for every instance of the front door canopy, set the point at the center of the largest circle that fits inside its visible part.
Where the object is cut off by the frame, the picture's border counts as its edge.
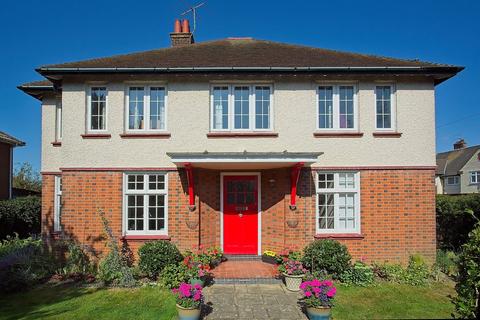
(243, 160)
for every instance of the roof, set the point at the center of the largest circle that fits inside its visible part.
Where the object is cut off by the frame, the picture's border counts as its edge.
(6, 138)
(37, 88)
(450, 163)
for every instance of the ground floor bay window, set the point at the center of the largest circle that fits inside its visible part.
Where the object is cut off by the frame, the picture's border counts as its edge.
(338, 202)
(145, 204)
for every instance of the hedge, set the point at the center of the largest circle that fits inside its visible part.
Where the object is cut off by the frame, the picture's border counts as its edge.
(455, 220)
(21, 216)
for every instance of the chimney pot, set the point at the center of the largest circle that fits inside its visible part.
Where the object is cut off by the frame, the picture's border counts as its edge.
(460, 144)
(185, 26)
(177, 27)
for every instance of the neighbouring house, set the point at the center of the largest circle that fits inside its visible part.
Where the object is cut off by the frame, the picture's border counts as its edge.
(458, 171)
(7, 143)
(245, 144)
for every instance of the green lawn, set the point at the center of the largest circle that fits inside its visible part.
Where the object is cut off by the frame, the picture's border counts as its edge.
(66, 302)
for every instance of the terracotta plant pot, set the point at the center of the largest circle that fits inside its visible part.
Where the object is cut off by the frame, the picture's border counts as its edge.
(188, 314)
(293, 282)
(320, 313)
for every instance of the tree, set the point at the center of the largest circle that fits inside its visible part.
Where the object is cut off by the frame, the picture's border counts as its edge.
(25, 177)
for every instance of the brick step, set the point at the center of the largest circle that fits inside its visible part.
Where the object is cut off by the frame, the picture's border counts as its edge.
(248, 281)
(243, 257)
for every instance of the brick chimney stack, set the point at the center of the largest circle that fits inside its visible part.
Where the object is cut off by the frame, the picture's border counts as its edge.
(460, 144)
(181, 35)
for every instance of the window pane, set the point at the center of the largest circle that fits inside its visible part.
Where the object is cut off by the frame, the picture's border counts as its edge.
(346, 107)
(98, 100)
(325, 107)
(326, 210)
(156, 212)
(346, 180)
(220, 107)
(135, 108)
(262, 107)
(156, 182)
(135, 212)
(383, 107)
(157, 108)
(135, 181)
(241, 107)
(325, 180)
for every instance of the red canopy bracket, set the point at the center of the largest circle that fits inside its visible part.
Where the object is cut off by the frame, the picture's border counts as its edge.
(191, 191)
(294, 175)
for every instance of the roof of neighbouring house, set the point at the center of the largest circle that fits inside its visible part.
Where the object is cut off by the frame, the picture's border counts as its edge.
(451, 162)
(6, 138)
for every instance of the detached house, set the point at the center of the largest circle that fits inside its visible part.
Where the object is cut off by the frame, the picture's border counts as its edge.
(7, 144)
(246, 144)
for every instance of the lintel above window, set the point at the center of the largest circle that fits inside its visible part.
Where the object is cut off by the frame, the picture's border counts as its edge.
(241, 108)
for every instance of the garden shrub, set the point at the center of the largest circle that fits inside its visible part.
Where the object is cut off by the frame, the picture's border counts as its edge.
(455, 219)
(360, 274)
(20, 216)
(446, 262)
(417, 273)
(77, 260)
(113, 268)
(467, 302)
(174, 274)
(329, 256)
(155, 256)
(23, 263)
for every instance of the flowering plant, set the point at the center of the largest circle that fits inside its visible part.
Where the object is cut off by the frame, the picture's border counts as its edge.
(188, 296)
(215, 253)
(269, 253)
(318, 293)
(292, 267)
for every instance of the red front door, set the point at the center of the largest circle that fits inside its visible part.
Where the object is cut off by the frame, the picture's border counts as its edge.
(240, 214)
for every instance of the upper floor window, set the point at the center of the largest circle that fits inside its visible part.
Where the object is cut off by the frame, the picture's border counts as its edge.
(453, 180)
(97, 109)
(58, 122)
(146, 203)
(337, 107)
(241, 107)
(475, 177)
(146, 108)
(338, 202)
(384, 108)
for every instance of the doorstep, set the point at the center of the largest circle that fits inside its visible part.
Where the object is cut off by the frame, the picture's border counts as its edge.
(246, 272)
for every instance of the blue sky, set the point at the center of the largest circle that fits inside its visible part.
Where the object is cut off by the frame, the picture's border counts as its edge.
(34, 33)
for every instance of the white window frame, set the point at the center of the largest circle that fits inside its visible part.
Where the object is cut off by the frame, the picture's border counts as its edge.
(58, 121)
(474, 175)
(57, 204)
(146, 107)
(231, 107)
(456, 180)
(393, 107)
(145, 193)
(336, 191)
(336, 106)
(89, 109)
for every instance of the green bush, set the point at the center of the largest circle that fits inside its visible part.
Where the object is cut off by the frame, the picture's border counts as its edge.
(21, 216)
(467, 302)
(155, 256)
(329, 256)
(113, 268)
(417, 273)
(174, 274)
(455, 219)
(446, 262)
(359, 274)
(77, 260)
(23, 263)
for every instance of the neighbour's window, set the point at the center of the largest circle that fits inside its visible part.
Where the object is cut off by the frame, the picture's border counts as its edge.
(337, 107)
(146, 203)
(241, 107)
(98, 109)
(58, 122)
(475, 177)
(338, 202)
(384, 107)
(146, 108)
(453, 180)
(57, 211)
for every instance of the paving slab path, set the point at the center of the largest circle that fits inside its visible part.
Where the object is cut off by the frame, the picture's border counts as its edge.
(251, 301)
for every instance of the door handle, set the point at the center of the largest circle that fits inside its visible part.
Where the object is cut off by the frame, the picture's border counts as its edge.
(240, 214)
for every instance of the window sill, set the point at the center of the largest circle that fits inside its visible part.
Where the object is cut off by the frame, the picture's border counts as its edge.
(57, 143)
(242, 135)
(146, 237)
(340, 236)
(163, 135)
(380, 134)
(96, 136)
(326, 134)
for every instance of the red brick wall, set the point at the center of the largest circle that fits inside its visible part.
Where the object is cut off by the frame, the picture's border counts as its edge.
(397, 211)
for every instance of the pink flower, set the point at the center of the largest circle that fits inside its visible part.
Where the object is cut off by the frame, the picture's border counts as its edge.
(197, 286)
(327, 283)
(308, 294)
(316, 290)
(303, 285)
(331, 292)
(316, 282)
(197, 296)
